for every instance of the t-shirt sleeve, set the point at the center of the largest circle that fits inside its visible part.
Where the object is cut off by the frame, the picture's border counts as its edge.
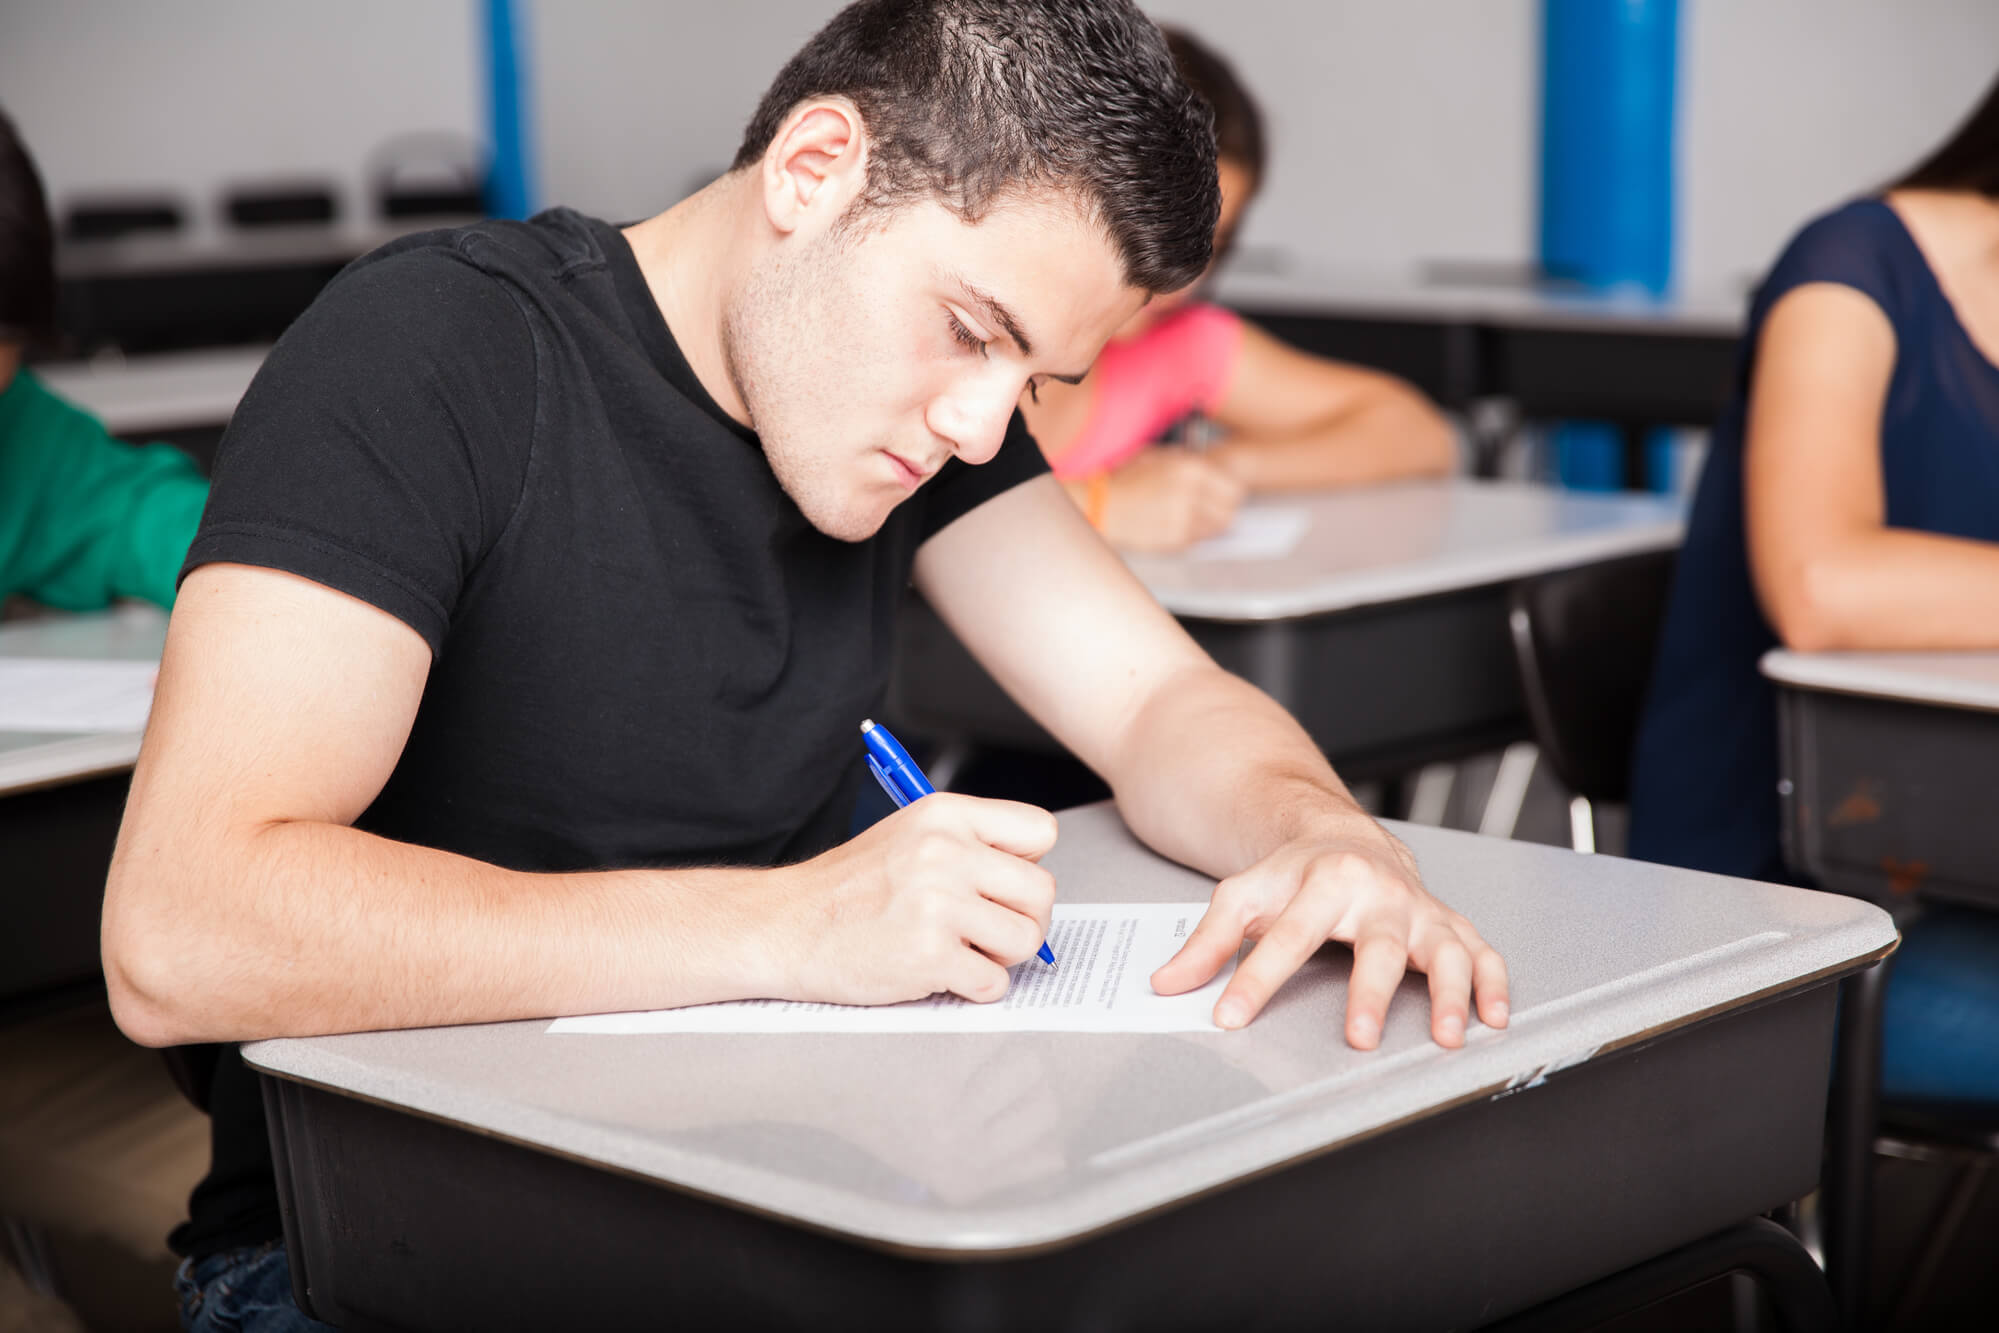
(1211, 345)
(960, 487)
(383, 445)
(1854, 246)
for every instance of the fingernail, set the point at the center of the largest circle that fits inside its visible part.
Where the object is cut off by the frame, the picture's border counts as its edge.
(1364, 1031)
(1231, 1014)
(1452, 1030)
(1499, 1013)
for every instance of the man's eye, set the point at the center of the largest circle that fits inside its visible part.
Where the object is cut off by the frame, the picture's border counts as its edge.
(965, 335)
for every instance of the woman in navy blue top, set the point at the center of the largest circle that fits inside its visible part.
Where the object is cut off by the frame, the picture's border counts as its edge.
(1850, 501)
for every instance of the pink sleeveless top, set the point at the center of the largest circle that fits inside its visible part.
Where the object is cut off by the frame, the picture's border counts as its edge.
(1140, 387)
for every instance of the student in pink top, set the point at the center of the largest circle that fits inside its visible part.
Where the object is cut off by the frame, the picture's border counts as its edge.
(1289, 419)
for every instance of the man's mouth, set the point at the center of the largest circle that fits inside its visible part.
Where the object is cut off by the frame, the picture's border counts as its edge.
(908, 473)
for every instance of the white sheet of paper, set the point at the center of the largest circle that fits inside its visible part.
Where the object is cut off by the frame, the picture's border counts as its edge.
(1105, 954)
(59, 694)
(1260, 532)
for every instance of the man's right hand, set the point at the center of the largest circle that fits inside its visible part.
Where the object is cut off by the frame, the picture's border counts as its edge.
(943, 895)
(1168, 498)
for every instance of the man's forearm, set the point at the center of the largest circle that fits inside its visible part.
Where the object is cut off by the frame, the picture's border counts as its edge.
(300, 928)
(1215, 775)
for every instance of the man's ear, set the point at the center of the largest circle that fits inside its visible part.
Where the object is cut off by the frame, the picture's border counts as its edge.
(816, 164)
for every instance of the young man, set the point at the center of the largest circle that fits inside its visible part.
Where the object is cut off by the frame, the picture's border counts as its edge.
(551, 568)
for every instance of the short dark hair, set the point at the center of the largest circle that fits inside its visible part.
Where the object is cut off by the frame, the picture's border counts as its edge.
(967, 101)
(27, 242)
(1238, 120)
(1968, 160)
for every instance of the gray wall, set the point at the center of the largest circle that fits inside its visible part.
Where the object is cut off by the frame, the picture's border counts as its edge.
(1405, 129)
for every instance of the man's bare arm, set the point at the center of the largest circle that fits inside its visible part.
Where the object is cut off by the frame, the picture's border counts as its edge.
(1206, 769)
(241, 903)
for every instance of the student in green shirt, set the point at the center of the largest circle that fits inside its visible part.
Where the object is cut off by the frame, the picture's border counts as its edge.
(84, 518)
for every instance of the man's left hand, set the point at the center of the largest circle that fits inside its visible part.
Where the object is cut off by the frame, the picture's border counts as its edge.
(1361, 889)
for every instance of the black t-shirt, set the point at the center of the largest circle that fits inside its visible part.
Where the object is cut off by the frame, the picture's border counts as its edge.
(643, 654)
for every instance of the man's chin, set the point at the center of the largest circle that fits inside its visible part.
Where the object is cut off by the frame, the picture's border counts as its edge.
(854, 522)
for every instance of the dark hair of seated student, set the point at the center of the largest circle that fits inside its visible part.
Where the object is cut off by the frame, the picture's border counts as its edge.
(27, 243)
(1968, 160)
(1239, 135)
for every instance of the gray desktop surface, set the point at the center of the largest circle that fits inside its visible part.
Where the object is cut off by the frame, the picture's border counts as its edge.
(1371, 545)
(985, 1146)
(38, 759)
(1950, 680)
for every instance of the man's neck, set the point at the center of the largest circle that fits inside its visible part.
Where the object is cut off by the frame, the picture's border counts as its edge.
(688, 255)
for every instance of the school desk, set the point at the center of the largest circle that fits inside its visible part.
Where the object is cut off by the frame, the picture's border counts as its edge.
(1663, 1078)
(1384, 631)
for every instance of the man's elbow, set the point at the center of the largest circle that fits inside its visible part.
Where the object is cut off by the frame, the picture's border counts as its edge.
(146, 970)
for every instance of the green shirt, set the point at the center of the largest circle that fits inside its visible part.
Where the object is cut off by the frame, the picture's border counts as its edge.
(84, 518)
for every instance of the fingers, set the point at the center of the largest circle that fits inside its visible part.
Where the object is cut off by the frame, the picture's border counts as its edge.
(1214, 941)
(1011, 826)
(1489, 980)
(1380, 957)
(1005, 936)
(1448, 964)
(975, 977)
(1295, 936)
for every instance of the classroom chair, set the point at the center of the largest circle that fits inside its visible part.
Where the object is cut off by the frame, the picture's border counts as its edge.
(281, 203)
(108, 219)
(1864, 1122)
(1583, 640)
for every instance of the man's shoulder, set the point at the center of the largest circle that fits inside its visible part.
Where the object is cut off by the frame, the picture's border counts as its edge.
(548, 247)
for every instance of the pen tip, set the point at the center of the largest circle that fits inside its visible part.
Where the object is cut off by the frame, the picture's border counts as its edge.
(867, 724)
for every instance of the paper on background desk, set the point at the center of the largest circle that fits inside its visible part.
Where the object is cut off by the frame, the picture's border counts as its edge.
(1259, 532)
(1105, 954)
(56, 694)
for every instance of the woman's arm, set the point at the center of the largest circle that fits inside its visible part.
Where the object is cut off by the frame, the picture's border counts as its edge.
(1297, 420)
(1828, 571)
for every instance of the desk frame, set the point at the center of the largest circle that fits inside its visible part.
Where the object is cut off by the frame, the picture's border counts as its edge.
(395, 1220)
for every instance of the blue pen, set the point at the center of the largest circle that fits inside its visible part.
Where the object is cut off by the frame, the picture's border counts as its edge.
(904, 782)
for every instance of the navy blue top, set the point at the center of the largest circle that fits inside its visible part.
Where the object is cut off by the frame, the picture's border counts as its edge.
(1704, 783)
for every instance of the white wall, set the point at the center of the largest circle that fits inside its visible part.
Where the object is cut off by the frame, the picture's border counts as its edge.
(191, 96)
(1404, 129)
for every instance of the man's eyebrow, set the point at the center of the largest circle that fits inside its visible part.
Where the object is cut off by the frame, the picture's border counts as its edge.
(995, 310)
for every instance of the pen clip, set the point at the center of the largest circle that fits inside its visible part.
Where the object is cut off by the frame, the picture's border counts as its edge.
(887, 783)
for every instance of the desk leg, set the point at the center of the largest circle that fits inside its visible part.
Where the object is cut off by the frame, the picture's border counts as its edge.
(1855, 1111)
(1760, 1249)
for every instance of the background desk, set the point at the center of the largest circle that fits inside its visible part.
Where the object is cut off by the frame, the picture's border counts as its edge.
(61, 797)
(148, 293)
(1889, 765)
(183, 397)
(1536, 352)
(1663, 1077)
(1384, 632)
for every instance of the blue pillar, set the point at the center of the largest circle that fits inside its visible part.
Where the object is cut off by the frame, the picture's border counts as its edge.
(510, 187)
(1607, 111)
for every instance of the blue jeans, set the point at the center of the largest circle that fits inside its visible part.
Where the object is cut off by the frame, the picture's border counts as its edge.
(247, 1290)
